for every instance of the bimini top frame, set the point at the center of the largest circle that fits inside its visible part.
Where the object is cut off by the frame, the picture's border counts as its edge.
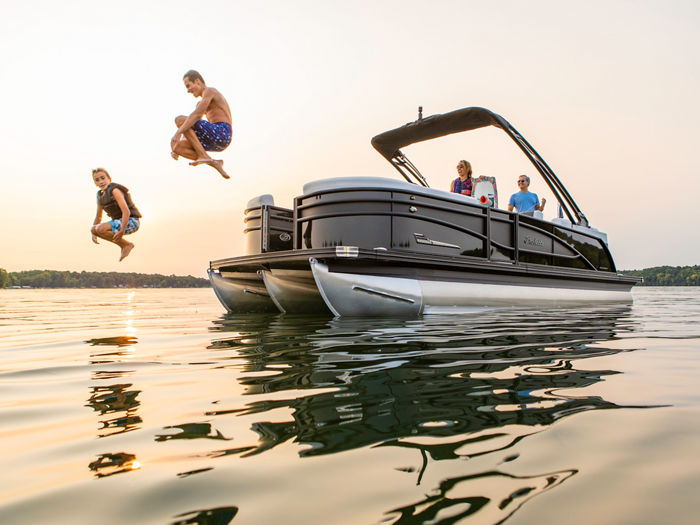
(435, 126)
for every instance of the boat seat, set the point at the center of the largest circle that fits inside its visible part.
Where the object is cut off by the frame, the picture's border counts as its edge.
(360, 183)
(588, 230)
(561, 221)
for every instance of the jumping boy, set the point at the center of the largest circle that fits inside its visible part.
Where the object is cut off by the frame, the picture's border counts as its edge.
(195, 136)
(115, 200)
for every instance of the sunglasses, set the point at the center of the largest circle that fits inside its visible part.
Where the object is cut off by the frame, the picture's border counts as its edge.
(522, 181)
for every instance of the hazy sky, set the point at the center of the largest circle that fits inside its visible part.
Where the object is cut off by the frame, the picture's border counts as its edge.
(606, 91)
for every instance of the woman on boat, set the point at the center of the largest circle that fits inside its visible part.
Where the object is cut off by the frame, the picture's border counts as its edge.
(463, 183)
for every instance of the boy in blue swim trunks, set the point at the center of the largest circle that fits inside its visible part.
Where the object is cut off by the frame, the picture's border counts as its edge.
(195, 136)
(115, 200)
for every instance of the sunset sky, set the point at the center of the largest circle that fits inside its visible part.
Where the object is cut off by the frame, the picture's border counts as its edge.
(606, 91)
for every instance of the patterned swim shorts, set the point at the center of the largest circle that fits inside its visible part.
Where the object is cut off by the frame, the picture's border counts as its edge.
(131, 226)
(214, 136)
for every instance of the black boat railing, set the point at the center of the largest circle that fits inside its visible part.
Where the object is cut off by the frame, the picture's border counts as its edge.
(319, 223)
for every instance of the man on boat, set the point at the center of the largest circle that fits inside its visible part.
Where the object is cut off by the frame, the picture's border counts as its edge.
(525, 201)
(195, 136)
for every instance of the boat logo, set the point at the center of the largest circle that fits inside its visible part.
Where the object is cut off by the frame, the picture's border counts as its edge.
(532, 241)
(284, 237)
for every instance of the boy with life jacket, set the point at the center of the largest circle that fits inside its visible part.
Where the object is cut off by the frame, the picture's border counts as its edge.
(116, 201)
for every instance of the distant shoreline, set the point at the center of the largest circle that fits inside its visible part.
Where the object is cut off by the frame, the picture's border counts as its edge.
(667, 275)
(64, 279)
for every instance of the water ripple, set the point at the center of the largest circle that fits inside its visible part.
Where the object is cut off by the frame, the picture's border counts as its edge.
(156, 399)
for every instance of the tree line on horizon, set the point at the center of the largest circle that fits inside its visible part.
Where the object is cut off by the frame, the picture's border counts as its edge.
(65, 279)
(667, 275)
(656, 276)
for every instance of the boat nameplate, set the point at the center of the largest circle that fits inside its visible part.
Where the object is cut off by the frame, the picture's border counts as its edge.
(532, 241)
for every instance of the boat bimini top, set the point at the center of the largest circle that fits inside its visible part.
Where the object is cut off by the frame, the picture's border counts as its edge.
(435, 126)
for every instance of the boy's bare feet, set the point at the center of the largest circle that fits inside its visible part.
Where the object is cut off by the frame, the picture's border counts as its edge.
(126, 249)
(218, 165)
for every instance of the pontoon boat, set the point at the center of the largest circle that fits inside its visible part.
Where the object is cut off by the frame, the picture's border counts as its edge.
(370, 246)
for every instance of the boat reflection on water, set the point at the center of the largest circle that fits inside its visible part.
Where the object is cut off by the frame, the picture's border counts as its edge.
(493, 495)
(387, 380)
(451, 387)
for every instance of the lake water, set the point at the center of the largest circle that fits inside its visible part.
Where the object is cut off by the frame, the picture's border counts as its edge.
(152, 406)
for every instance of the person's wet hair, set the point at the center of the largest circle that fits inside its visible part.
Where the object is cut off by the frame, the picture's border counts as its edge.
(193, 75)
